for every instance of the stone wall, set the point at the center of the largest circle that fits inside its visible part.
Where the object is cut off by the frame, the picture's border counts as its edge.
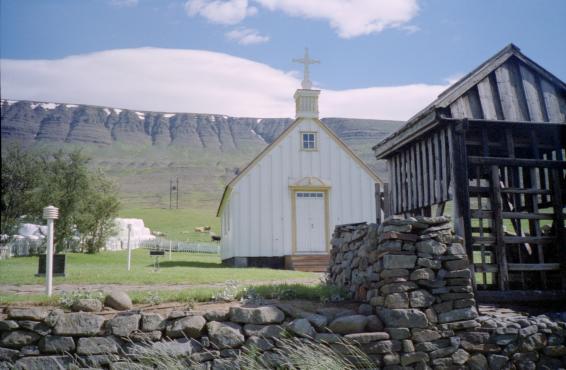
(415, 274)
(419, 313)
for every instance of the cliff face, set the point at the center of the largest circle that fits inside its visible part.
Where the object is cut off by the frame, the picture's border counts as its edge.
(139, 148)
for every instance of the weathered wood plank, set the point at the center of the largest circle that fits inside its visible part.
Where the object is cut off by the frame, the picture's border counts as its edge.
(417, 181)
(424, 174)
(387, 200)
(418, 162)
(461, 108)
(413, 177)
(551, 102)
(475, 104)
(534, 100)
(557, 204)
(437, 169)
(444, 163)
(487, 99)
(430, 171)
(508, 94)
(500, 253)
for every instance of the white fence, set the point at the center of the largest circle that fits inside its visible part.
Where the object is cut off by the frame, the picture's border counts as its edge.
(177, 246)
(26, 247)
(22, 247)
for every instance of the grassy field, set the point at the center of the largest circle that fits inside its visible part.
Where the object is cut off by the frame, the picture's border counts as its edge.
(177, 224)
(110, 268)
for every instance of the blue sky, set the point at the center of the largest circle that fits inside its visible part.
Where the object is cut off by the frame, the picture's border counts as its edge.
(364, 46)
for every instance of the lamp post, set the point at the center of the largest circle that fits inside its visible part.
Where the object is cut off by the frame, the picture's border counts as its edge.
(129, 247)
(50, 213)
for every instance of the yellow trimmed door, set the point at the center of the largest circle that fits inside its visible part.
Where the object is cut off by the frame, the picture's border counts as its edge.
(310, 222)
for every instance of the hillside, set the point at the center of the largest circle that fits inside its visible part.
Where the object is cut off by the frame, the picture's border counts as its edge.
(142, 150)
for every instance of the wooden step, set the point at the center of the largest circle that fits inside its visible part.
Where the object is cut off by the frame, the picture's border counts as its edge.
(309, 263)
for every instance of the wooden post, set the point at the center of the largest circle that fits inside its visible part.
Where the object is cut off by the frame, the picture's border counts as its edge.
(559, 223)
(459, 168)
(497, 208)
(378, 205)
(386, 201)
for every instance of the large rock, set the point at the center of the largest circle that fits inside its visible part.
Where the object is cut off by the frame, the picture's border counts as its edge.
(259, 315)
(118, 300)
(225, 334)
(421, 298)
(44, 363)
(217, 315)
(190, 326)
(18, 338)
(56, 344)
(78, 324)
(348, 324)
(177, 348)
(7, 325)
(262, 344)
(152, 322)
(403, 318)
(302, 328)
(123, 325)
(431, 246)
(9, 355)
(459, 314)
(87, 305)
(33, 313)
(399, 261)
(264, 331)
(96, 345)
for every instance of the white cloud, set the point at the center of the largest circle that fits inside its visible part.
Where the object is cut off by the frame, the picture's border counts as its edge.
(220, 11)
(350, 18)
(172, 80)
(124, 3)
(247, 36)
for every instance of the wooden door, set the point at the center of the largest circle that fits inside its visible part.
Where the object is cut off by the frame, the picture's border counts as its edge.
(310, 222)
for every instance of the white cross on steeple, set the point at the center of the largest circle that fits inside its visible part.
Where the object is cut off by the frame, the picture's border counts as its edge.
(306, 61)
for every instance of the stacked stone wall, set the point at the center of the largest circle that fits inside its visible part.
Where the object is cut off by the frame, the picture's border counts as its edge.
(415, 274)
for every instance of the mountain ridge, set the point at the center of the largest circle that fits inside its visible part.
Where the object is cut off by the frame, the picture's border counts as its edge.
(143, 147)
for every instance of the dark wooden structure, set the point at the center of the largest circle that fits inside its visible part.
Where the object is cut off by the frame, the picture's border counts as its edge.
(492, 150)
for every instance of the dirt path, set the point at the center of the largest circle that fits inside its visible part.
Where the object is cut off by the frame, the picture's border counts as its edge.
(60, 288)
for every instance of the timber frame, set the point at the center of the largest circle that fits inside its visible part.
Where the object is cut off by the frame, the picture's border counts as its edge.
(492, 149)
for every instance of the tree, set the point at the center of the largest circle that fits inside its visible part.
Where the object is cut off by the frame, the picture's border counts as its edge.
(87, 201)
(96, 221)
(21, 175)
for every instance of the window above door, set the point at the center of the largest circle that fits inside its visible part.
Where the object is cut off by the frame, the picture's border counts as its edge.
(309, 141)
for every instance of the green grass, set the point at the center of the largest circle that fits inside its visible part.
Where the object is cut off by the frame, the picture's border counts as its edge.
(177, 224)
(110, 268)
(317, 293)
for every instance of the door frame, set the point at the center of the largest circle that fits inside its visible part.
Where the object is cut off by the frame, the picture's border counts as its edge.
(294, 189)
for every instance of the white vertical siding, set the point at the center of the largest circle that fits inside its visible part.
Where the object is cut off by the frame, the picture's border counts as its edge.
(260, 202)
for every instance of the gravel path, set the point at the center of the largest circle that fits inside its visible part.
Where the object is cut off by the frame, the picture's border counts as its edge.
(31, 289)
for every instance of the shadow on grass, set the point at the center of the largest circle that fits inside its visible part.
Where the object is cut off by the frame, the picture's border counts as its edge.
(165, 264)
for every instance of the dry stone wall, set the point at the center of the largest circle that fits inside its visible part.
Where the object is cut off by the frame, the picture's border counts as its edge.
(415, 275)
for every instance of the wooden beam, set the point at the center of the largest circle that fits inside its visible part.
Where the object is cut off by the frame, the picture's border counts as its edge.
(533, 266)
(516, 162)
(514, 296)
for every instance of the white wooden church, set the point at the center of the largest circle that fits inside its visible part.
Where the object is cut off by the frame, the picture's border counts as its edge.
(281, 209)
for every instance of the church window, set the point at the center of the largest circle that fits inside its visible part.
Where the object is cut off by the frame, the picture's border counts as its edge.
(308, 141)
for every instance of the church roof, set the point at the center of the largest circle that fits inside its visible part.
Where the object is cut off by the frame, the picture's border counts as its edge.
(424, 119)
(287, 131)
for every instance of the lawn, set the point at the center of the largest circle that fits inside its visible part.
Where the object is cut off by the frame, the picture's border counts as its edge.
(110, 268)
(176, 224)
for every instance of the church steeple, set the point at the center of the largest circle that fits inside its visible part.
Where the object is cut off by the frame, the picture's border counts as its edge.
(306, 99)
